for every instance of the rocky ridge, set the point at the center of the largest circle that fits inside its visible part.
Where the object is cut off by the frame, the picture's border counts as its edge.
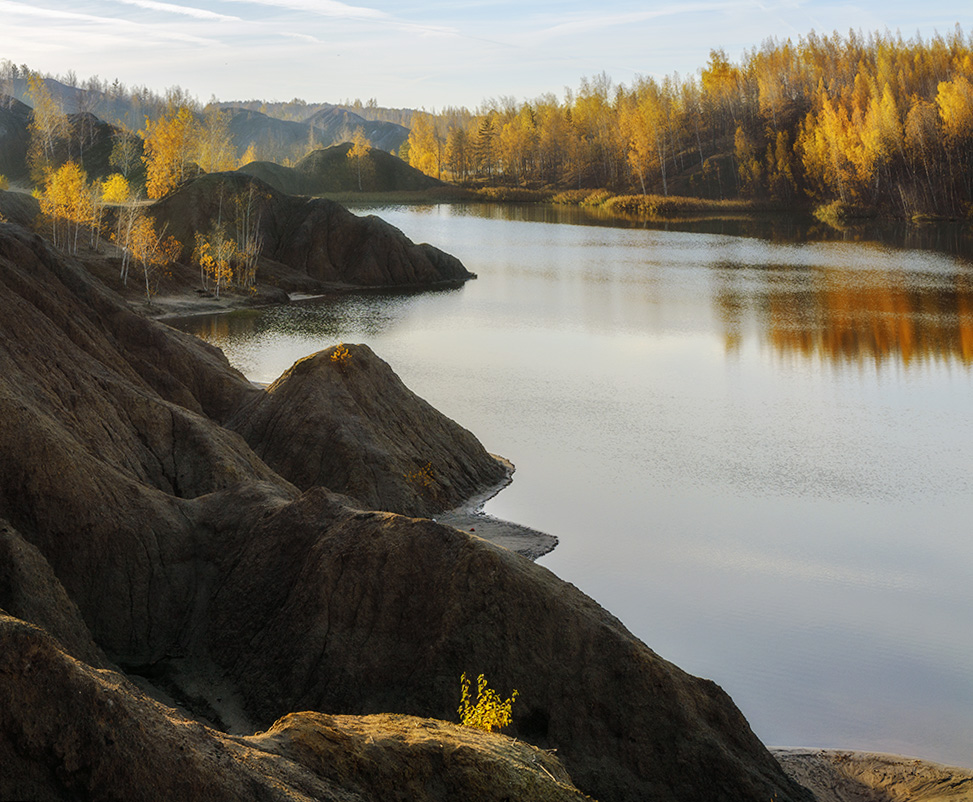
(330, 170)
(308, 244)
(144, 535)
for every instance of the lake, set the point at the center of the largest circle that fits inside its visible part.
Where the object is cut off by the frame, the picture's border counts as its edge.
(756, 451)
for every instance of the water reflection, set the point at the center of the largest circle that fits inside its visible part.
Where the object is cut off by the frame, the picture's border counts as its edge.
(955, 239)
(326, 317)
(798, 534)
(849, 316)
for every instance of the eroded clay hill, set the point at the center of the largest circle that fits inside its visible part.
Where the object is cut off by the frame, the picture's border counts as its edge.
(330, 170)
(148, 549)
(306, 242)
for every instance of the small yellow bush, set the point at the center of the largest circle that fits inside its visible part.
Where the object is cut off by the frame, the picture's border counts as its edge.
(490, 712)
(340, 355)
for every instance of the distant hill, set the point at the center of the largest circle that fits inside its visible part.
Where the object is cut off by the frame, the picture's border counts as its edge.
(88, 141)
(110, 102)
(278, 140)
(330, 170)
(14, 139)
(338, 125)
(273, 139)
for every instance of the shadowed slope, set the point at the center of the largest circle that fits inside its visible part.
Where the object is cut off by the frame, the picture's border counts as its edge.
(315, 237)
(192, 562)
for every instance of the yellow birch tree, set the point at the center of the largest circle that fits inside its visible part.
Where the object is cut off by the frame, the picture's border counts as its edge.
(168, 145)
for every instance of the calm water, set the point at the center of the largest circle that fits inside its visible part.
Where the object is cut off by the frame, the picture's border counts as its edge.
(755, 453)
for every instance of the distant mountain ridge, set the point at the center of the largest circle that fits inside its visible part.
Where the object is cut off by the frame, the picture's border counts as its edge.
(88, 140)
(272, 136)
(331, 170)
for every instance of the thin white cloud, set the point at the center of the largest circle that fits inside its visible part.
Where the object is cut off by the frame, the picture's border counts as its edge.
(590, 22)
(337, 10)
(302, 36)
(119, 30)
(188, 11)
(50, 13)
(324, 8)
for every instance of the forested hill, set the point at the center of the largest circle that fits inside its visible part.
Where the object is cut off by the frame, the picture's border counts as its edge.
(878, 121)
(863, 124)
(282, 135)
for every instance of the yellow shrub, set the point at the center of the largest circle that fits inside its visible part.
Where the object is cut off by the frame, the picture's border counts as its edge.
(340, 355)
(490, 711)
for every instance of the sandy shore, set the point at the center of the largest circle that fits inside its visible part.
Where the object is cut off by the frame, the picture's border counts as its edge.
(470, 518)
(838, 775)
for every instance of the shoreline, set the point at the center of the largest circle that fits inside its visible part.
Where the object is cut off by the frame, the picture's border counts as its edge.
(470, 518)
(467, 517)
(847, 775)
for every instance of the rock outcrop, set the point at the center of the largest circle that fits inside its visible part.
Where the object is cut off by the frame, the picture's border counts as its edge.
(331, 170)
(350, 424)
(86, 139)
(14, 137)
(70, 732)
(317, 239)
(162, 544)
(838, 775)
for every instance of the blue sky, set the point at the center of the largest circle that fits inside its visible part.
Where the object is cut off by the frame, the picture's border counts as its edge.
(421, 55)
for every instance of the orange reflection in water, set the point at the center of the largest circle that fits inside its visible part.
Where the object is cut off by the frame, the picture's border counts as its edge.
(851, 317)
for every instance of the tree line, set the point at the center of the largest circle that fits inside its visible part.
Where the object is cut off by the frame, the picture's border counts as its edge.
(877, 122)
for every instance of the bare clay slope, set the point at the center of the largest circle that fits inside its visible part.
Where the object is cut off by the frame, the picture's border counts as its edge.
(69, 732)
(351, 425)
(315, 238)
(191, 561)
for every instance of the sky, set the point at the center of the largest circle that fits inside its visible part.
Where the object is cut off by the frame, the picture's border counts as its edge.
(421, 55)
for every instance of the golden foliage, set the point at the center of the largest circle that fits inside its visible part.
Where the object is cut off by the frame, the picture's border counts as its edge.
(116, 189)
(168, 142)
(490, 712)
(212, 146)
(424, 477)
(215, 252)
(359, 153)
(340, 356)
(48, 128)
(67, 204)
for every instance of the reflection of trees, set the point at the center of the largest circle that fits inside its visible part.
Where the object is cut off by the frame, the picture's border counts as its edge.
(326, 320)
(850, 316)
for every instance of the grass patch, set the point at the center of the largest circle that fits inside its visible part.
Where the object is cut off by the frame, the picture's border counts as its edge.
(839, 214)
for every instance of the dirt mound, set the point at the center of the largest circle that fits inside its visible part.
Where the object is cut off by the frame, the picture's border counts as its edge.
(837, 775)
(347, 419)
(422, 760)
(197, 567)
(283, 179)
(318, 239)
(336, 125)
(88, 141)
(330, 170)
(14, 138)
(68, 732)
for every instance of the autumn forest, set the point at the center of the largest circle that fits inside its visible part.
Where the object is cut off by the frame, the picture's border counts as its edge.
(879, 122)
(851, 123)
